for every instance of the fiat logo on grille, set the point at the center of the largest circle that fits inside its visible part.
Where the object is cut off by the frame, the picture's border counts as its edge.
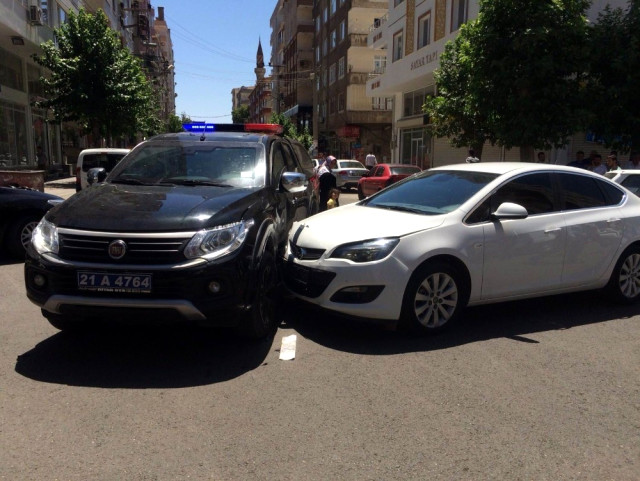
(117, 249)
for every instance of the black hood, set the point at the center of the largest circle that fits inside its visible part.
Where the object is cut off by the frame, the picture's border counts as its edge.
(129, 208)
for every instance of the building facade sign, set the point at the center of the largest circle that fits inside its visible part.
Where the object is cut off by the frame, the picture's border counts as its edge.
(425, 60)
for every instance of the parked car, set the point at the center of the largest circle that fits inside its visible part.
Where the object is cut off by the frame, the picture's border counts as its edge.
(187, 227)
(428, 246)
(383, 175)
(91, 158)
(21, 209)
(630, 179)
(348, 173)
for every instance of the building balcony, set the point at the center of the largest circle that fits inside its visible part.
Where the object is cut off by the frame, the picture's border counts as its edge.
(376, 38)
(358, 40)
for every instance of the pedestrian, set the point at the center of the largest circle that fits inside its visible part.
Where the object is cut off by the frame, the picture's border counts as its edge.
(612, 163)
(326, 181)
(334, 198)
(598, 167)
(542, 158)
(580, 161)
(43, 162)
(634, 161)
(472, 159)
(370, 161)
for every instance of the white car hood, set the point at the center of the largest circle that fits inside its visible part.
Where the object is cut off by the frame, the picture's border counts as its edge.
(352, 223)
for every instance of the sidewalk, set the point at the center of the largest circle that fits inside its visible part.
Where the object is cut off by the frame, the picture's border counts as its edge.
(64, 187)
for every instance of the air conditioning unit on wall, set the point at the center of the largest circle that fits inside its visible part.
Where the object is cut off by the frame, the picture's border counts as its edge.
(35, 15)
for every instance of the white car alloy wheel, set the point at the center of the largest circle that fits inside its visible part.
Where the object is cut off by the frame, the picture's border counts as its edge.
(436, 300)
(624, 285)
(435, 296)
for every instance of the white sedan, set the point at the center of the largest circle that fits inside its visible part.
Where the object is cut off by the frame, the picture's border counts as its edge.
(468, 234)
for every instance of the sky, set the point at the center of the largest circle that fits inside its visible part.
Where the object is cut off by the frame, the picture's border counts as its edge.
(214, 47)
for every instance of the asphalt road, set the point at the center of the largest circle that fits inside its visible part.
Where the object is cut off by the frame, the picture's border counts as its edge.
(546, 389)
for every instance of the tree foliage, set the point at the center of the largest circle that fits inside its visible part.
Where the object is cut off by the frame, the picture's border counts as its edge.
(240, 115)
(514, 76)
(290, 130)
(94, 81)
(174, 124)
(614, 77)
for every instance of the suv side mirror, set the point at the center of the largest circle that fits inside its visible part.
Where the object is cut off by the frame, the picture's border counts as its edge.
(96, 175)
(293, 182)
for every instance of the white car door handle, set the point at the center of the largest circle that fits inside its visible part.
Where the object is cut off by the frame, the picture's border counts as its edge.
(552, 230)
(611, 221)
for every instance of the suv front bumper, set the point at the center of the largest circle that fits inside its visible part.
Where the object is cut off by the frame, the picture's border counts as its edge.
(178, 293)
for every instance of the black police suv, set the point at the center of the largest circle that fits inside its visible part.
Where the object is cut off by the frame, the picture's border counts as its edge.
(188, 227)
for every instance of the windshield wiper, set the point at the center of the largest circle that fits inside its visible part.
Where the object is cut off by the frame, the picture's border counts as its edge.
(399, 207)
(197, 182)
(124, 180)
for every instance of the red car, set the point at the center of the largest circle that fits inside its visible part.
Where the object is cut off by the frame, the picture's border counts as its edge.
(383, 175)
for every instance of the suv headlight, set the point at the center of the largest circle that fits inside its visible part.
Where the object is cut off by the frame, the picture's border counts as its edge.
(216, 242)
(366, 251)
(45, 238)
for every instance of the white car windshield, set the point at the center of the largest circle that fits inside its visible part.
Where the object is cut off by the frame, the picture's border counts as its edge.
(432, 192)
(202, 163)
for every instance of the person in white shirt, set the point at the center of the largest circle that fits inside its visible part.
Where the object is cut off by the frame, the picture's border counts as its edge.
(370, 161)
(472, 159)
(634, 161)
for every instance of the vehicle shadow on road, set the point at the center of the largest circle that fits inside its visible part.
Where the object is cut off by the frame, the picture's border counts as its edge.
(151, 357)
(516, 320)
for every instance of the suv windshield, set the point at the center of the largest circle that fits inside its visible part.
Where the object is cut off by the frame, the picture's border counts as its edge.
(196, 163)
(431, 193)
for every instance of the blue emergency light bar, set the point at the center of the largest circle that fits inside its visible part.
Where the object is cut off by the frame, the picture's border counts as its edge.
(203, 127)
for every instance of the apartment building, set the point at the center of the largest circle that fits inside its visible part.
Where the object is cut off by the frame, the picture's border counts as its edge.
(292, 60)
(413, 33)
(347, 123)
(240, 97)
(24, 25)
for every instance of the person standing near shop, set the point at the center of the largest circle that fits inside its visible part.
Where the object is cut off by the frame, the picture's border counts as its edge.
(370, 160)
(43, 161)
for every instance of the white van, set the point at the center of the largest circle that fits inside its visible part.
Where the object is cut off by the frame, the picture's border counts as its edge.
(90, 158)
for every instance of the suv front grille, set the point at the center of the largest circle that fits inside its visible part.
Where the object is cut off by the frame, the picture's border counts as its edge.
(159, 248)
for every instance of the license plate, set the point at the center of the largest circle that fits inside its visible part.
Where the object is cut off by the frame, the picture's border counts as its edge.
(106, 282)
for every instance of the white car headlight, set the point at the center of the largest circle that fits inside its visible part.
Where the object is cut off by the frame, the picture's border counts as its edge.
(45, 238)
(366, 251)
(218, 241)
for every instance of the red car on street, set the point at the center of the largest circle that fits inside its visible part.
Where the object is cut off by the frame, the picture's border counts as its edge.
(383, 175)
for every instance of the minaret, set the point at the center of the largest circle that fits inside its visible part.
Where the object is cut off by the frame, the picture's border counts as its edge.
(260, 70)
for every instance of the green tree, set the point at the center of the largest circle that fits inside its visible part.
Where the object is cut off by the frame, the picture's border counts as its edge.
(174, 124)
(514, 76)
(240, 115)
(614, 68)
(290, 130)
(96, 82)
